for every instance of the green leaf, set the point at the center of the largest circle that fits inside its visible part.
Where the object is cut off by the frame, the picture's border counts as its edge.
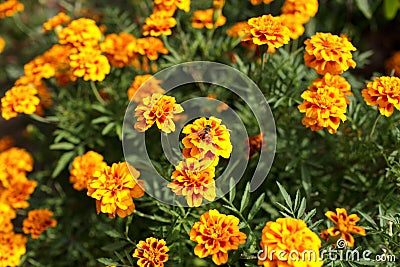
(302, 208)
(108, 128)
(62, 162)
(365, 8)
(285, 195)
(114, 233)
(101, 119)
(390, 8)
(62, 146)
(232, 193)
(368, 219)
(245, 198)
(256, 207)
(107, 261)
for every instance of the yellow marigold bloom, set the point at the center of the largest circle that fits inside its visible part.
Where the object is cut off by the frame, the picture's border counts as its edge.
(80, 33)
(303, 9)
(257, 2)
(119, 49)
(292, 22)
(150, 47)
(168, 5)
(384, 92)
(152, 87)
(37, 222)
(323, 108)
(268, 30)
(55, 21)
(204, 18)
(6, 215)
(216, 234)
(9, 7)
(326, 52)
(334, 81)
(12, 247)
(58, 58)
(159, 23)
(285, 235)
(90, 64)
(345, 225)
(17, 159)
(392, 64)
(194, 180)
(114, 187)
(2, 44)
(39, 68)
(152, 252)
(19, 99)
(204, 137)
(83, 168)
(6, 142)
(17, 194)
(239, 29)
(159, 109)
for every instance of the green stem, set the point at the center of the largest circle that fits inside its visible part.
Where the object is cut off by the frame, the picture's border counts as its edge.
(374, 126)
(140, 214)
(96, 93)
(41, 119)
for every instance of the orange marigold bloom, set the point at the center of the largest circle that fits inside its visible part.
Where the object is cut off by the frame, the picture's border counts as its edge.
(292, 22)
(392, 64)
(39, 68)
(37, 222)
(384, 92)
(204, 18)
(9, 7)
(58, 58)
(6, 142)
(205, 137)
(6, 215)
(83, 168)
(159, 23)
(119, 49)
(194, 180)
(216, 234)
(114, 187)
(55, 21)
(239, 29)
(334, 81)
(14, 163)
(326, 52)
(257, 2)
(168, 5)
(150, 47)
(80, 33)
(17, 194)
(345, 225)
(90, 64)
(151, 87)
(268, 30)
(19, 99)
(256, 143)
(323, 108)
(151, 253)
(303, 9)
(285, 235)
(159, 109)
(12, 247)
(218, 4)
(2, 44)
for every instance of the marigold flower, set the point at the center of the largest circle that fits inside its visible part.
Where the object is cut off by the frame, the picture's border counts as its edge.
(9, 7)
(2, 44)
(384, 92)
(303, 9)
(205, 137)
(323, 108)
(90, 64)
(152, 252)
(6, 142)
(80, 33)
(257, 2)
(151, 87)
(345, 225)
(256, 143)
(19, 99)
(326, 52)
(205, 18)
(268, 30)
(159, 109)
(218, 4)
(14, 163)
(114, 187)
(39, 68)
(291, 21)
(6, 215)
(119, 49)
(37, 222)
(392, 64)
(12, 247)
(239, 29)
(167, 4)
(159, 23)
(216, 234)
(17, 193)
(285, 235)
(83, 168)
(334, 81)
(55, 21)
(150, 47)
(194, 180)
(58, 57)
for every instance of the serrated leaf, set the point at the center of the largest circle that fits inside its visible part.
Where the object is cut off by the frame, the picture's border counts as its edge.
(107, 261)
(256, 207)
(285, 195)
(309, 215)
(283, 207)
(365, 8)
(62, 146)
(245, 198)
(368, 219)
(62, 162)
(232, 193)
(302, 208)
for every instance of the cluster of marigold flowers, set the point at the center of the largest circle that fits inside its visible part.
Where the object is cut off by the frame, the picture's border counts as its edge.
(15, 191)
(8, 9)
